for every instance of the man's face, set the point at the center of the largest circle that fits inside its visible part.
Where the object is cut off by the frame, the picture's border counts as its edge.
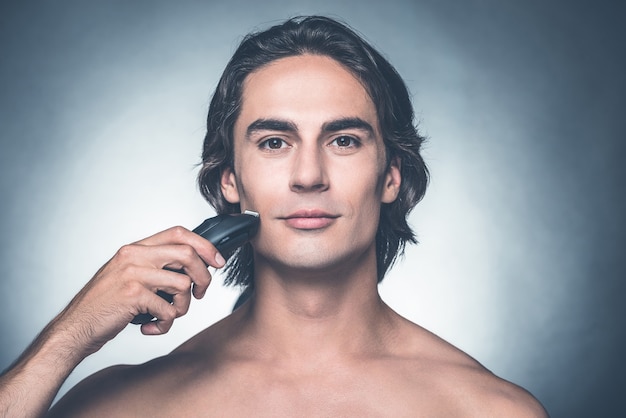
(309, 157)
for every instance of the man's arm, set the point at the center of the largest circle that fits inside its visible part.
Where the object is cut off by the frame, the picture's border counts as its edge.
(174, 261)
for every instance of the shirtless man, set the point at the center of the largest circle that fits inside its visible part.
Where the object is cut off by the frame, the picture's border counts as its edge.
(313, 129)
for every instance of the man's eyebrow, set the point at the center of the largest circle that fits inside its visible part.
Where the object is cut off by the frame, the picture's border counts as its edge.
(348, 123)
(271, 125)
(328, 127)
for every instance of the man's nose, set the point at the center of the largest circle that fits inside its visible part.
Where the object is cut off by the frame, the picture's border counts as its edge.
(309, 170)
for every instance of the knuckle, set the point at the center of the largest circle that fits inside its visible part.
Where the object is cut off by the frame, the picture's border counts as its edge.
(178, 231)
(182, 310)
(164, 326)
(133, 289)
(169, 314)
(179, 286)
(129, 271)
(126, 252)
(187, 252)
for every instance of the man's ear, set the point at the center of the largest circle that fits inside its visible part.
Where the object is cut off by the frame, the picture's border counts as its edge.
(228, 184)
(393, 179)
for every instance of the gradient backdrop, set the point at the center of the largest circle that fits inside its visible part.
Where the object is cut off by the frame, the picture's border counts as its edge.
(101, 121)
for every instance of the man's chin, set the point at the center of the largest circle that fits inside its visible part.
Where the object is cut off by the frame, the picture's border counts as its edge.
(313, 263)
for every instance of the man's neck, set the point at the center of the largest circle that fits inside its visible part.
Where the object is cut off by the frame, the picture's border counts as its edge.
(318, 314)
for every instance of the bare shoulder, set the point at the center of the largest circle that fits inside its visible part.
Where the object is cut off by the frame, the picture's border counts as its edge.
(458, 385)
(480, 393)
(147, 389)
(123, 390)
(88, 397)
(501, 398)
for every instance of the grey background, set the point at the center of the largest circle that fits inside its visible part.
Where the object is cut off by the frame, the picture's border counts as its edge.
(519, 263)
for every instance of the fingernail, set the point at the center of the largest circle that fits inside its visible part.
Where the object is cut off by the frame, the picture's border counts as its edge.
(219, 260)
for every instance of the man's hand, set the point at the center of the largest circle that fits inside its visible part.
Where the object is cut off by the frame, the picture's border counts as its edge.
(174, 261)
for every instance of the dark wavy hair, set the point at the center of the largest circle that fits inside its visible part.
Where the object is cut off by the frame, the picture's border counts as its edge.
(319, 35)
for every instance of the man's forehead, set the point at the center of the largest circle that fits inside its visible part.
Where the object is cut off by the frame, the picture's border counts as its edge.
(306, 85)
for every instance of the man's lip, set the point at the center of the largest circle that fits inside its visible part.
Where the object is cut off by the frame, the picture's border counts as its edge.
(310, 213)
(310, 219)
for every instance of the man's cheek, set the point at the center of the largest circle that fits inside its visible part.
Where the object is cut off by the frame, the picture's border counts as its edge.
(251, 194)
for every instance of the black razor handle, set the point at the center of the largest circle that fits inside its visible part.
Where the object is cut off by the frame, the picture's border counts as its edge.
(229, 232)
(226, 232)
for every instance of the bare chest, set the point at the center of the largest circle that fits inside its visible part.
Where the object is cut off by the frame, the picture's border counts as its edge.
(333, 393)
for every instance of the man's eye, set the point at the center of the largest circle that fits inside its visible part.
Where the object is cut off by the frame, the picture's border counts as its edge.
(272, 143)
(345, 141)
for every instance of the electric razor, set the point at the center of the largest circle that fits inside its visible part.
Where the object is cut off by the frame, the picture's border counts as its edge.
(226, 232)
